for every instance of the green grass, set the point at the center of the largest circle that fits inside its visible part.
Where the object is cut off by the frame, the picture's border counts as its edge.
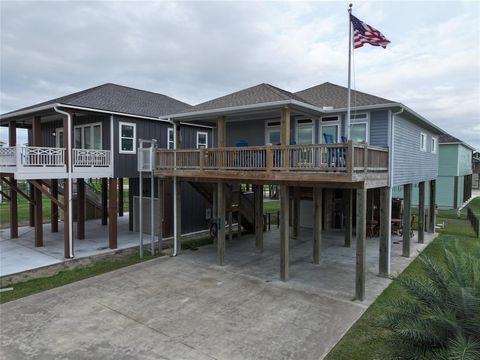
(67, 276)
(270, 206)
(367, 339)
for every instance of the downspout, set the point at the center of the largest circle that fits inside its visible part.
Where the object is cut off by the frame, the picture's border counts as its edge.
(69, 178)
(175, 205)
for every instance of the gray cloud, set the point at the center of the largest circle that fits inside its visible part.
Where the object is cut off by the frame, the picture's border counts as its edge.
(195, 51)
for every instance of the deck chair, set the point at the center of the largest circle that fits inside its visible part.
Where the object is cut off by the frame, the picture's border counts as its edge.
(334, 156)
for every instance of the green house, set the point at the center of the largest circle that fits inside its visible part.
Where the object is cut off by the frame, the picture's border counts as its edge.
(454, 182)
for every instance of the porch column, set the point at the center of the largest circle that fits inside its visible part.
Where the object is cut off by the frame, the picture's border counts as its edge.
(361, 244)
(53, 206)
(230, 224)
(132, 183)
(104, 195)
(12, 141)
(407, 214)
(455, 192)
(348, 200)
(214, 207)
(80, 208)
(37, 141)
(177, 213)
(317, 224)
(431, 210)
(296, 212)
(31, 207)
(421, 212)
(221, 224)
(284, 231)
(112, 210)
(66, 219)
(258, 199)
(120, 197)
(160, 185)
(385, 231)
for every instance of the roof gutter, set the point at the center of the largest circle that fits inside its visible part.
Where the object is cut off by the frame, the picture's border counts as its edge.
(27, 111)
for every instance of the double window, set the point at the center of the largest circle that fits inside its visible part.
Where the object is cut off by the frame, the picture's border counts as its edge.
(88, 136)
(127, 138)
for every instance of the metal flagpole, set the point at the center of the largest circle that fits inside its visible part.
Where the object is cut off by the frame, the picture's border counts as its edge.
(347, 120)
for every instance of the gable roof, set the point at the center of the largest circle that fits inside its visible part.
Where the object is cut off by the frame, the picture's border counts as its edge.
(331, 95)
(450, 139)
(258, 94)
(116, 98)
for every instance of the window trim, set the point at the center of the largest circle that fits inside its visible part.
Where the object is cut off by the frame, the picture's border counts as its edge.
(170, 130)
(82, 126)
(134, 125)
(206, 138)
(310, 124)
(424, 147)
(434, 144)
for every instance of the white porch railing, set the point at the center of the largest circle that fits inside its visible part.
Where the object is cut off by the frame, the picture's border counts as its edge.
(35, 156)
(8, 156)
(91, 158)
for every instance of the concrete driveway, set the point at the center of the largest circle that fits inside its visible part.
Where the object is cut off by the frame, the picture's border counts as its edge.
(188, 308)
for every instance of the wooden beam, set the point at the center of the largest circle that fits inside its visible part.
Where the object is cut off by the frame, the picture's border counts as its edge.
(284, 231)
(361, 258)
(66, 221)
(221, 224)
(104, 196)
(421, 212)
(5, 195)
(407, 214)
(12, 183)
(296, 212)
(432, 207)
(80, 209)
(317, 224)
(385, 248)
(132, 183)
(160, 184)
(112, 210)
(285, 126)
(13, 208)
(120, 197)
(54, 206)
(177, 216)
(348, 200)
(38, 216)
(31, 208)
(258, 204)
(230, 225)
(38, 186)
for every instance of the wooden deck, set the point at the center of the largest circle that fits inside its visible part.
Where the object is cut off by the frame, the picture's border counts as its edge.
(341, 165)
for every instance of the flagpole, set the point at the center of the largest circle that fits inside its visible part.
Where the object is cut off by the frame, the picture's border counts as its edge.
(347, 120)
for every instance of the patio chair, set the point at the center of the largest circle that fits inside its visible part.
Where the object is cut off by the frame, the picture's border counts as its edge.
(333, 155)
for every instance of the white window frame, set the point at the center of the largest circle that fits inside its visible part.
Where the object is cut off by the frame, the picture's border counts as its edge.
(310, 124)
(434, 144)
(269, 128)
(329, 123)
(57, 137)
(206, 138)
(363, 120)
(170, 130)
(134, 125)
(367, 128)
(82, 138)
(424, 146)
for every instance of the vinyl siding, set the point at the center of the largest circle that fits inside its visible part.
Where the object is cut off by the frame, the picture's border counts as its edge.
(379, 128)
(252, 132)
(410, 164)
(448, 160)
(464, 160)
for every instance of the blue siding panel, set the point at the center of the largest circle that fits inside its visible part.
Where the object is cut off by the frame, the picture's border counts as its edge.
(379, 128)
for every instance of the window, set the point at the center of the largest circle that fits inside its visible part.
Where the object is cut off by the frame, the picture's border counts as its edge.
(87, 136)
(305, 132)
(330, 125)
(272, 133)
(363, 116)
(423, 142)
(202, 140)
(434, 145)
(127, 138)
(59, 137)
(358, 132)
(170, 139)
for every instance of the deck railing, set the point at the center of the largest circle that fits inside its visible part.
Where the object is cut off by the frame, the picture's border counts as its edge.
(8, 156)
(35, 156)
(91, 158)
(347, 158)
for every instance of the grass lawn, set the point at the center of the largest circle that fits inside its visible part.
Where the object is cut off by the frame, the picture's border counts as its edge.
(67, 276)
(367, 339)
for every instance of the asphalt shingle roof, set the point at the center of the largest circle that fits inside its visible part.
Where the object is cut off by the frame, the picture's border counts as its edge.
(258, 94)
(328, 94)
(447, 138)
(117, 98)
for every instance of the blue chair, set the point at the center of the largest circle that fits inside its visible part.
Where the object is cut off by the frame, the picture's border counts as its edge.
(242, 143)
(344, 139)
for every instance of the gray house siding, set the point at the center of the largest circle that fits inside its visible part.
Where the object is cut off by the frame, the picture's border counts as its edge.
(251, 131)
(410, 164)
(379, 128)
(189, 136)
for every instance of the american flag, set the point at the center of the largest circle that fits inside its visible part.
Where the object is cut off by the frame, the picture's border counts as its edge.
(366, 34)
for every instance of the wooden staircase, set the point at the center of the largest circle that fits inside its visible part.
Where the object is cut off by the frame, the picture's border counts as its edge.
(237, 201)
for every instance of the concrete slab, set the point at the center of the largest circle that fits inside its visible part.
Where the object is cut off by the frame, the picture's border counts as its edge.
(189, 308)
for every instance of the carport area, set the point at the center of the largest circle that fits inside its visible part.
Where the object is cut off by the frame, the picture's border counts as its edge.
(189, 308)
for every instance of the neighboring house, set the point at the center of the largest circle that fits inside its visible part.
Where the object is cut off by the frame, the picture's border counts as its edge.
(454, 184)
(267, 135)
(476, 170)
(105, 123)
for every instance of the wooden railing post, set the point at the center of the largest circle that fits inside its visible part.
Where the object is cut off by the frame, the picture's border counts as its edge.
(269, 158)
(350, 157)
(202, 158)
(365, 158)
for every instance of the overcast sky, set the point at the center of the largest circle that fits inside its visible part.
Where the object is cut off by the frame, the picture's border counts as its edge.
(195, 51)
